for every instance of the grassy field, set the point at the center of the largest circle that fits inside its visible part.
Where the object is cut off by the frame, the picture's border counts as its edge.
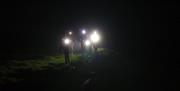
(106, 69)
(13, 70)
(50, 74)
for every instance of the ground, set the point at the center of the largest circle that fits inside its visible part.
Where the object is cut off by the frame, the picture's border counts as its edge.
(105, 70)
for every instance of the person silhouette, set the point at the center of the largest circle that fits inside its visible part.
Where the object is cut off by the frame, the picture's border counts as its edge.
(66, 55)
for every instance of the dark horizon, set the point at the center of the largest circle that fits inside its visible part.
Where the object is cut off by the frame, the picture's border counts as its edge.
(136, 34)
(36, 28)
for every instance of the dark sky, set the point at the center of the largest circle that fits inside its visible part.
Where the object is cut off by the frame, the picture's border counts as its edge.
(131, 26)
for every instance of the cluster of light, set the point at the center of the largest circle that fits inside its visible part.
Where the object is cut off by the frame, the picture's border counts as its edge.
(95, 37)
(83, 31)
(87, 43)
(67, 41)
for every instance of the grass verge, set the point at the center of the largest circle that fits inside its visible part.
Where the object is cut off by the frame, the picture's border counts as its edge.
(12, 70)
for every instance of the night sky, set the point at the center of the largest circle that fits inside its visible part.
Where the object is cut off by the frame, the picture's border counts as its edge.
(134, 28)
(139, 31)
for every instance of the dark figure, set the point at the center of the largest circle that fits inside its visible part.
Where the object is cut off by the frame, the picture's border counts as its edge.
(82, 46)
(66, 54)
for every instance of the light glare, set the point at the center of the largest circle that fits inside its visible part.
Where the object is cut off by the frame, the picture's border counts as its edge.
(83, 31)
(87, 42)
(67, 41)
(95, 37)
(70, 33)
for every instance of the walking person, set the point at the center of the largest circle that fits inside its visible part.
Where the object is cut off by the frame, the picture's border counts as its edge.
(66, 55)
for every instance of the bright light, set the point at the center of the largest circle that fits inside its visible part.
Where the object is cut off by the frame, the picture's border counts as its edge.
(83, 31)
(95, 37)
(70, 33)
(87, 42)
(67, 41)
